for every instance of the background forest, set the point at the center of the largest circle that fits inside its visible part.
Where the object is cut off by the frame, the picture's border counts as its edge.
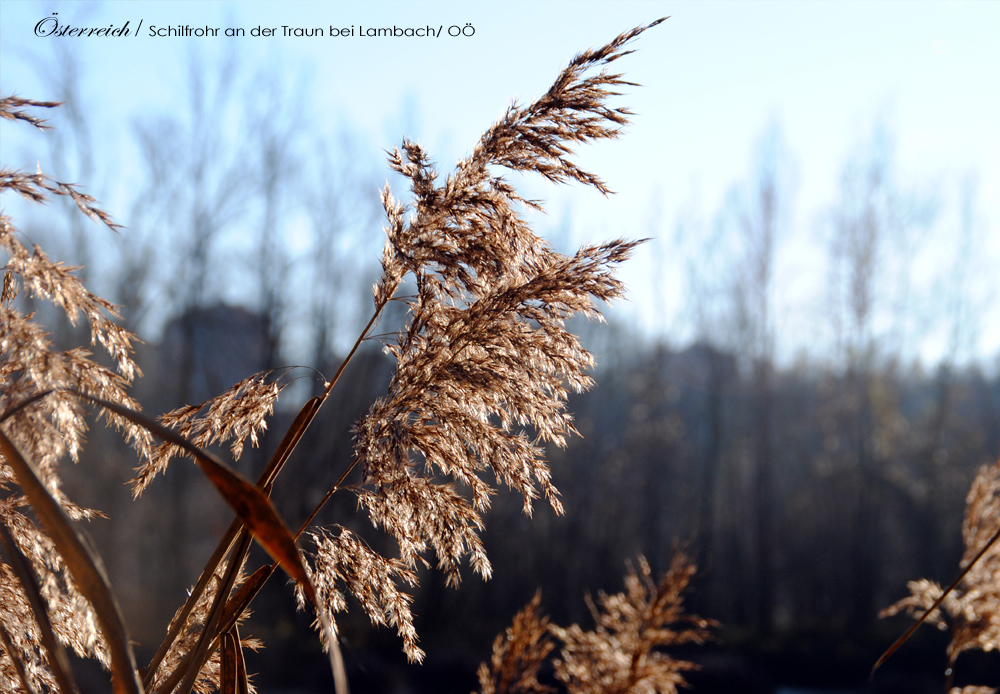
(810, 484)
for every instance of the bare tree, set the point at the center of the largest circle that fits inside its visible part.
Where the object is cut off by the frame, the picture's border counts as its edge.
(274, 134)
(197, 185)
(756, 211)
(873, 225)
(341, 212)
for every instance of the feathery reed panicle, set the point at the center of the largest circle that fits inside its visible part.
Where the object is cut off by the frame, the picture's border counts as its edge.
(973, 607)
(239, 412)
(518, 654)
(485, 352)
(10, 108)
(344, 559)
(619, 656)
(540, 137)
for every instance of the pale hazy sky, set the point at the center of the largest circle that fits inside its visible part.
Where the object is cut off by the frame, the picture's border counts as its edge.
(714, 76)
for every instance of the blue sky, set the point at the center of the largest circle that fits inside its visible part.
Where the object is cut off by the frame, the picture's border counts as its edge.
(714, 77)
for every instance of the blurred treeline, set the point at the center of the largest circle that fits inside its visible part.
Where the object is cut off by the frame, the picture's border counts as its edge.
(810, 490)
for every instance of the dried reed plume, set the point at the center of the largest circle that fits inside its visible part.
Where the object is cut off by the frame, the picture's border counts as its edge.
(972, 605)
(483, 368)
(619, 656)
(485, 351)
(518, 654)
(234, 415)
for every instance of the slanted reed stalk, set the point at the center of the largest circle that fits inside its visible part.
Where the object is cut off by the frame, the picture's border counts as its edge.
(483, 368)
(971, 604)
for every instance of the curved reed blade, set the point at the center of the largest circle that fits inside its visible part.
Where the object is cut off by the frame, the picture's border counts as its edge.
(84, 566)
(18, 665)
(208, 640)
(274, 465)
(248, 591)
(242, 681)
(227, 665)
(222, 549)
(244, 596)
(58, 660)
(254, 509)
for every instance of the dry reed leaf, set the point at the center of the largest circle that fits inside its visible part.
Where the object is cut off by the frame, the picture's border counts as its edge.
(238, 605)
(227, 665)
(258, 515)
(175, 663)
(252, 507)
(288, 443)
(209, 640)
(232, 668)
(243, 685)
(56, 658)
(246, 594)
(83, 564)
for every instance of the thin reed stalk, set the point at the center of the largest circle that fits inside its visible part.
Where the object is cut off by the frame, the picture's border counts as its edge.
(971, 604)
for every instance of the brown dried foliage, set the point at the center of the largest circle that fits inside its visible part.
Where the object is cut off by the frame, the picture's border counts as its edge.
(10, 108)
(972, 609)
(346, 560)
(484, 365)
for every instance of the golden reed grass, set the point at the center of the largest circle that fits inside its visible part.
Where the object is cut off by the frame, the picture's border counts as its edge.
(484, 355)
